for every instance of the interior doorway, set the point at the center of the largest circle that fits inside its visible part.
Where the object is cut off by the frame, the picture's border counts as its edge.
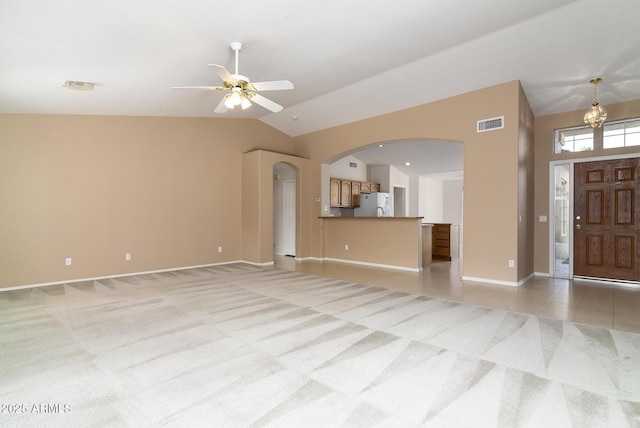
(289, 217)
(284, 210)
(399, 201)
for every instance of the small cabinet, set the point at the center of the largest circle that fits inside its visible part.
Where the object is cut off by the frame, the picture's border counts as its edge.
(345, 193)
(375, 187)
(335, 192)
(355, 193)
(445, 241)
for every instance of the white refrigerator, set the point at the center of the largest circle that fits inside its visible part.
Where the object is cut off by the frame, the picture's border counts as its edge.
(375, 204)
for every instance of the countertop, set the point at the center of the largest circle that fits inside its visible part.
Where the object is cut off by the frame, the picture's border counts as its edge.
(368, 218)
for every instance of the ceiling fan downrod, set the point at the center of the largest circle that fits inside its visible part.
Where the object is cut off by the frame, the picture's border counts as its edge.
(236, 46)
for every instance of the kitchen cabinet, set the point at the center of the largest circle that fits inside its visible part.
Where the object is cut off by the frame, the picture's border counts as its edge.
(346, 193)
(355, 193)
(445, 241)
(335, 192)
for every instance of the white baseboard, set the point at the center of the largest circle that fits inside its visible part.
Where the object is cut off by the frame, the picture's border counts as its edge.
(95, 278)
(493, 281)
(353, 262)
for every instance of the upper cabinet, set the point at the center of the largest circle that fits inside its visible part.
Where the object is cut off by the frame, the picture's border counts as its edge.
(335, 192)
(346, 193)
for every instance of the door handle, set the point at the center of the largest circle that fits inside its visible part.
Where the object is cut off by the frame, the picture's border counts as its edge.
(578, 226)
(578, 217)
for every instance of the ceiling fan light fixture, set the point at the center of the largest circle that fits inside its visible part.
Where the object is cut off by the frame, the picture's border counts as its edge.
(244, 102)
(242, 92)
(228, 101)
(596, 115)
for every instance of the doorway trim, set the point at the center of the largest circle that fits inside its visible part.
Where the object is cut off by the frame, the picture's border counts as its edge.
(552, 208)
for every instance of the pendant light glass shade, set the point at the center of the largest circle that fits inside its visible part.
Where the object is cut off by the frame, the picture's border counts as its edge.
(596, 115)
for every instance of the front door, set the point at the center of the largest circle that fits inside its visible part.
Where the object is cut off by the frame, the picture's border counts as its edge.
(606, 219)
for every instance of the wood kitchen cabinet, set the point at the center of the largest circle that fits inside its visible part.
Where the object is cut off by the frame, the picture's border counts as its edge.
(346, 193)
(355, 193)
(444, 241)
(335, 192)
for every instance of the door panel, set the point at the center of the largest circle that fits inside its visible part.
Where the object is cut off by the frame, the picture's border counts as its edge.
(606, 229)
(289, 217)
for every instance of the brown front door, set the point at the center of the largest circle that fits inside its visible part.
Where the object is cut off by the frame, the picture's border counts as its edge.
(606, 219)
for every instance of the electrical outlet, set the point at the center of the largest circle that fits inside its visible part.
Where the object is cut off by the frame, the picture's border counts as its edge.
(219, 249)
(67, 261)
(512, 263)
(127, 257)
(346, 246)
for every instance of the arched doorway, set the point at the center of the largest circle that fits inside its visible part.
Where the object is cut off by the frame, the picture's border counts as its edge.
(425, 177)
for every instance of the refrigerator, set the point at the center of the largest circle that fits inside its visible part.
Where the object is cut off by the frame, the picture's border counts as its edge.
(376, 204)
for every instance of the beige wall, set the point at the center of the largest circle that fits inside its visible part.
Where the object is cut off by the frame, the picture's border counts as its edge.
(92, 188)
(526, 174)
(544, 127)
(171, 190)
(491, 163)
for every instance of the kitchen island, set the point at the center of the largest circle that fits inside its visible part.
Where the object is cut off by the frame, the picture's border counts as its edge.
(389, 242)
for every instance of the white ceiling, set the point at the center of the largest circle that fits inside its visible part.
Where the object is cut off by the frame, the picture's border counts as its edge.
(348, 60)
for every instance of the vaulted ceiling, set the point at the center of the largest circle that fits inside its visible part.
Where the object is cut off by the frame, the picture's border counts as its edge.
(348, 60)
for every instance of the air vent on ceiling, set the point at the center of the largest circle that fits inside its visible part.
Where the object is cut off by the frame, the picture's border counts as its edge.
(75, 85)
(491, 124)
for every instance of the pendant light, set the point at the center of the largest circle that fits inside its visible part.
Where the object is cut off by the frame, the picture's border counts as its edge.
(596, 115)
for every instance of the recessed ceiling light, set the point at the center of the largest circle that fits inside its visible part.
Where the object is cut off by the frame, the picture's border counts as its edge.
(379, 145)
(294, 117)
(75, 85)
(407, 163)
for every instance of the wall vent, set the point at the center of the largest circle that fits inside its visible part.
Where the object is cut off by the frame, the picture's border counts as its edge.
(491, 124)
(353, 164)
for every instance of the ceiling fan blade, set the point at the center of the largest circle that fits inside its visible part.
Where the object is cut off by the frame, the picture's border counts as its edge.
(221, 108)
(276, 85)
(202, 88)
(266, 103)
(222, 72)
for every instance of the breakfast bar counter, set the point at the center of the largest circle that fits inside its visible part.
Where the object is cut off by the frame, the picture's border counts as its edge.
(389, 242)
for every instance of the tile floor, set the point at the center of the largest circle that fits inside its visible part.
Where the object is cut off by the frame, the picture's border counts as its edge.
(585, 302)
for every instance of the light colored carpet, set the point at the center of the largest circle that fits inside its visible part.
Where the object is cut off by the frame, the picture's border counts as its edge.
(243, 346)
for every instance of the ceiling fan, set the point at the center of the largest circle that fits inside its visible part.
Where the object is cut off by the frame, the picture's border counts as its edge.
(241, 90)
